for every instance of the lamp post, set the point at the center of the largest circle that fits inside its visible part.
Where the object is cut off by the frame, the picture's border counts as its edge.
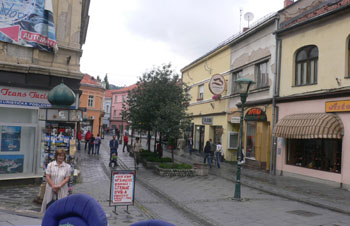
(243, 85)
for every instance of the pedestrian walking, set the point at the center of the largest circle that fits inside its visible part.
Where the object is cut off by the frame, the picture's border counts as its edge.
(87, 138)
(159, 149)
(190, 145)
(218, 153)
(57, 177)
(136, 152)
(207, 153)
(91, 144)
(126, 140)
(79, 137)
(117, 133)
(97, 144)
(113, 145)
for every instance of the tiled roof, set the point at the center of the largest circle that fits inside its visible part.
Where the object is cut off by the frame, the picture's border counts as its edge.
(108, 93)
(125, 89)
(89, 80)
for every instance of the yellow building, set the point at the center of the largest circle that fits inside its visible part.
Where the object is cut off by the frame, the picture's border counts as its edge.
(208, 112)
(250, 54)
(314, 111)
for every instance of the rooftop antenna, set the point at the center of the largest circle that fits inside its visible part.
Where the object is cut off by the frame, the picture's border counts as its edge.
(248, 17)
(240, 19)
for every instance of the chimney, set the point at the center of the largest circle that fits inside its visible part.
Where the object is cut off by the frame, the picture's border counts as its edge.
(288, 2)
(245, 29)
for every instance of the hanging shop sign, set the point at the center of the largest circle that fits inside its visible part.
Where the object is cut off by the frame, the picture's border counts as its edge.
(207, 120)
(64, 115)
(255, 114)
(122, 190)
(28, 23)
(217, 84)
(338, 106)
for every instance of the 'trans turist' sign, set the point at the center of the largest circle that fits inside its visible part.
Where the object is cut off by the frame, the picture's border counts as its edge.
(122, 187)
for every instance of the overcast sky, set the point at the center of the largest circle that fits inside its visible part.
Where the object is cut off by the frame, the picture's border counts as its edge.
(128, 37)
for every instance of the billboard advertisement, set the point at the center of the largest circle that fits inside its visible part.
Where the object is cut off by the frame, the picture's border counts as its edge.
(28, 23)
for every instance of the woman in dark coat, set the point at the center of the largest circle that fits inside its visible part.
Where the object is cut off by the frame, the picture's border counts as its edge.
(207, 153)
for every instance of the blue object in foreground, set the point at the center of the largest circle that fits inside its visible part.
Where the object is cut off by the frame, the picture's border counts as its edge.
(152, 223)
(75, 210)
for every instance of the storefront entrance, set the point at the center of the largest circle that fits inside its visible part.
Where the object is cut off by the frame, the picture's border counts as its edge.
(199, 139)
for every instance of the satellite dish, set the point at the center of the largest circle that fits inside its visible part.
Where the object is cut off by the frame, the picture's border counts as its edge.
(248, 17)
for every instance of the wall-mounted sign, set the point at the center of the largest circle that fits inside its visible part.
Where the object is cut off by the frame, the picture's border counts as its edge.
(217, 84)
(338, 106)
(255, 114)
(235, 120)
(57, 115)
(207, 120)
(23, 97)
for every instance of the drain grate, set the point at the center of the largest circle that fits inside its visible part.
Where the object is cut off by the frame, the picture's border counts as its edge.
(303, 213)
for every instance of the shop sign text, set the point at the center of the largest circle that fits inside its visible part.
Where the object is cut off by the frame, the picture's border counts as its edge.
(122, 187)
(24, 97)
(255, 114)
(338, 106)
(207, 120)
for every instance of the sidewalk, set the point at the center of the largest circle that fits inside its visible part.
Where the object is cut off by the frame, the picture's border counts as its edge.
(312, 193)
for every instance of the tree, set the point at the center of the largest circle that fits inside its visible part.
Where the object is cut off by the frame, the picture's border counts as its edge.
(106, 81)
(159, 103)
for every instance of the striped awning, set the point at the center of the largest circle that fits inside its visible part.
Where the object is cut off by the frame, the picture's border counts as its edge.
(310, 126)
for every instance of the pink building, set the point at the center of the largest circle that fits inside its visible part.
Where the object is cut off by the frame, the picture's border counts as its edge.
(118, 98)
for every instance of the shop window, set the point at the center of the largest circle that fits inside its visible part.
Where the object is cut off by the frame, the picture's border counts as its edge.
(306, 63)
(235, 76)
(250, 139)
(91, 101)
(261, 75)
(233, 140)
(319, 154)
(200, 92)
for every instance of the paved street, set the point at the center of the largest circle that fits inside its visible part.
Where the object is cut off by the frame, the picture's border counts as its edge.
(182, 201)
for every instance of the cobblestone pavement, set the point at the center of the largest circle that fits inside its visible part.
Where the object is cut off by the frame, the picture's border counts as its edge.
(182, 201)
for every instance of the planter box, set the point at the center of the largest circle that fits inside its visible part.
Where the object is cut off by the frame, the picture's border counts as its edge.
(201, 169)
(175, 172)
(150, 165)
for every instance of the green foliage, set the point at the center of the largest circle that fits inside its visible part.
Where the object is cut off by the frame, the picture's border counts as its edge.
(157, 159)
(145, 154)
(159, 103)
(106, 81)
(175, 166)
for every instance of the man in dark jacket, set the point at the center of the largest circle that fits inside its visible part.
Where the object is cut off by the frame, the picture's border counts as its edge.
(113, 145)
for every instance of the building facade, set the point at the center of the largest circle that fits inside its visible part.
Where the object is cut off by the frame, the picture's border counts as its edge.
(250, 54)
(119, 98)
(26, 76)
(107, 106)
(314, 106)
(91, 100)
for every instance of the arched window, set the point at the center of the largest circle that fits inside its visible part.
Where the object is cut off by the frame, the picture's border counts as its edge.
(306, 62)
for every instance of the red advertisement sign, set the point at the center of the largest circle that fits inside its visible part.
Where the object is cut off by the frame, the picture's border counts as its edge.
(122, 187)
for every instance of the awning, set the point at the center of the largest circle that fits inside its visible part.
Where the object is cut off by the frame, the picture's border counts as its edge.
(310, 126)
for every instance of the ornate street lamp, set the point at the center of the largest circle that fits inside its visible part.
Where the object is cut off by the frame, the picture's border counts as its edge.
(243, 85)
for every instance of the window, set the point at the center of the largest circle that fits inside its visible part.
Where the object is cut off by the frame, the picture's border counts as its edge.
(115, 99)
(250, 139)
(200, 92)
(235, 76)
(233, 140)
(261, 75)
(123, 98)
(319, 154)
(115, 113)
(91, 101)
(107, 108)
(306, 66)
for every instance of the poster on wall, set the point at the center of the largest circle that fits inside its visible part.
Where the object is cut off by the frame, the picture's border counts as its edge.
(10, 138)
(11, 164)
(28, 23)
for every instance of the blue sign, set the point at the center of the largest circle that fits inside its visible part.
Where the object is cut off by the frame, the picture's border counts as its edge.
(28, 23)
